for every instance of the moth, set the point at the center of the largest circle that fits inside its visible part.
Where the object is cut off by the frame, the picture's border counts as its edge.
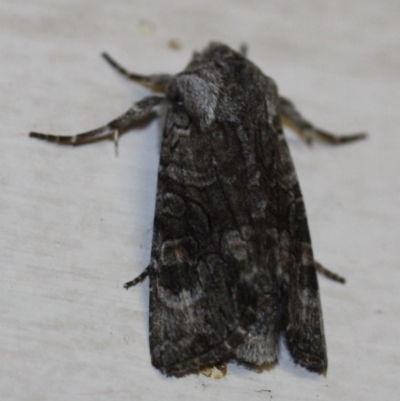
(232, 267)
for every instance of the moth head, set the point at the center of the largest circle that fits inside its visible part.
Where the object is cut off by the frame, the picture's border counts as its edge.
(214, 51)
(197, 93)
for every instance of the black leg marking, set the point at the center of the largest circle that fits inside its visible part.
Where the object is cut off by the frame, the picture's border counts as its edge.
(138, 111)
(156, 82)
(138, 279)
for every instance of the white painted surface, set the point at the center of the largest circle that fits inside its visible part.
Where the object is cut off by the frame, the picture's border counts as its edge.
(76, 222)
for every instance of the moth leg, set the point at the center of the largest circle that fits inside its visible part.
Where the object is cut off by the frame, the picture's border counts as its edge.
(138, 111)
(292, 118)
(156, 82)
(141, 277)
(329, 274)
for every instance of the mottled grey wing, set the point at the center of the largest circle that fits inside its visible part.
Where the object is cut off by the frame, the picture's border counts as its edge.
(288, 296)
(200, 301)
(231, 263)
(303, 315)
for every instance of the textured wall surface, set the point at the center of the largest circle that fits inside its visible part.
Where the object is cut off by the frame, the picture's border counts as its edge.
(76, 222)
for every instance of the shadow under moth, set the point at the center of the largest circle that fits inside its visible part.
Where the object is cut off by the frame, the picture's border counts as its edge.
(232, 267)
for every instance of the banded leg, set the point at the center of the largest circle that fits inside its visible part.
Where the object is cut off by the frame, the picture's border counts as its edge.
(292, 118)
(156, 82)
(139, 110)
(142, 276)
